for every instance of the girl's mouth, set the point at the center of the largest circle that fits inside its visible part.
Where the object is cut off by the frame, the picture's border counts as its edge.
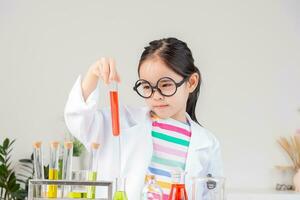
(160, 106)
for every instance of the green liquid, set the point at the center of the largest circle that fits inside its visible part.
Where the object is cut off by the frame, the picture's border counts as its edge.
(60, 165)
(120, 195)
(91, 190)
(77, 195)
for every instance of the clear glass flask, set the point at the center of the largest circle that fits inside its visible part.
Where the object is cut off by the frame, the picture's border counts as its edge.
(208, 188)
(178, 191)
(120, 193)
(151, 190)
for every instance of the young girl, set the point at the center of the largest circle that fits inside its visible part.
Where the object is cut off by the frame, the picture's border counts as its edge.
(157, 139)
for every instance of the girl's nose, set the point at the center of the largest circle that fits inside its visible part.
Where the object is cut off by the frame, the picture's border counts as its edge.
(156, 95)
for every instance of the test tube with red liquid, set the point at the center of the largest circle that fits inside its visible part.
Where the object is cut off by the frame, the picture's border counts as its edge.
(114, 107)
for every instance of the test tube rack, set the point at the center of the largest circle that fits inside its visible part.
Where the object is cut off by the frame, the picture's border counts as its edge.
(60, 183)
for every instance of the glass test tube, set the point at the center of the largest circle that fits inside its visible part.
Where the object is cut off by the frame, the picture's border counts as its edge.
(114, 106)
(53, 168)
(67, 160)
(38, 160)
(115, 117)
(93, 168)
(38, 167)
(67, 165)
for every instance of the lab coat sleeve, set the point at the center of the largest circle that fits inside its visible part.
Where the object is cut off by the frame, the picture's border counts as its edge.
(87, 122)
(81, 117)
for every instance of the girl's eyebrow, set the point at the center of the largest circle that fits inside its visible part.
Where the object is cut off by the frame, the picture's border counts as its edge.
(146, 80)
(159, 79)
(164, 80)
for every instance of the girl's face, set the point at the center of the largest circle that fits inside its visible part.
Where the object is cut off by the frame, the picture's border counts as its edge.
(165, 107)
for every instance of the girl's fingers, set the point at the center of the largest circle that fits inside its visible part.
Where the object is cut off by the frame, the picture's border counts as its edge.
(97, 68)
(118, 78)
(105, 70)
(113, 71)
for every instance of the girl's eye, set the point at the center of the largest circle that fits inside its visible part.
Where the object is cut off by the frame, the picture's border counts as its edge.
(146, 87)
(167, 85)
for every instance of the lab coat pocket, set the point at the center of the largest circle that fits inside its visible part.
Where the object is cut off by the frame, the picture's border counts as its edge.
(197, 166)
(201, 161)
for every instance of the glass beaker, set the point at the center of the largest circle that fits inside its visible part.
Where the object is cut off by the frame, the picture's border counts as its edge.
(208, 188)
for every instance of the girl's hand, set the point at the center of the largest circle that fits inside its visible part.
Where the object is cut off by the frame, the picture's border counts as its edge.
(105, 69)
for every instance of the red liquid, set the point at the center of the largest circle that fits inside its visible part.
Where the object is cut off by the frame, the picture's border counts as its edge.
(178, 192)
(114, 107)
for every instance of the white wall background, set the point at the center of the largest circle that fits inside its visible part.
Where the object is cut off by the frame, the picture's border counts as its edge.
(248, 53)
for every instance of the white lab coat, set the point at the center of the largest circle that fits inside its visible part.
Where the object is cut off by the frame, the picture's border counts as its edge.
(88, 123)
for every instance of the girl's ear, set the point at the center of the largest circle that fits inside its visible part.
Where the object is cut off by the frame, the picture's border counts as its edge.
(193, 81)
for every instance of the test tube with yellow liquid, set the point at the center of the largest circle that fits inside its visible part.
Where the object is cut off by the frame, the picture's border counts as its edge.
(93, 167)
(53, 168)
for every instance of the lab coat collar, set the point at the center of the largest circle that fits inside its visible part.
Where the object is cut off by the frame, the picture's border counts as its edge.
(199, 140)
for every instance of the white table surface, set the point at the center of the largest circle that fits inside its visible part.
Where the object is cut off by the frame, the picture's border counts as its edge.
(257, 194)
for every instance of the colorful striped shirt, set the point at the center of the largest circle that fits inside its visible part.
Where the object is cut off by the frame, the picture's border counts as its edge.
(171, 139)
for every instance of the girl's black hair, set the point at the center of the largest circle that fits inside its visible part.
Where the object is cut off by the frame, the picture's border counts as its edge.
(176, 55)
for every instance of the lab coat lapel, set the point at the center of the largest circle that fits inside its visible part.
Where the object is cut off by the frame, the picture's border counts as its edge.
(137, 147)
(137, 143)
(197, 149)
(198, 142)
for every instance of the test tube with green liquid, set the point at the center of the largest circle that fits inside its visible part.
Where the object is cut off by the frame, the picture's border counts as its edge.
(93, 168)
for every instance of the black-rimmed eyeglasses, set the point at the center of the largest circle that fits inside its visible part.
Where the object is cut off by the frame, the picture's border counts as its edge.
(166, 86)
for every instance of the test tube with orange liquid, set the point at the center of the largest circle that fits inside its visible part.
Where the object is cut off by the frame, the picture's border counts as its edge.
(114, 106)
(115, 118)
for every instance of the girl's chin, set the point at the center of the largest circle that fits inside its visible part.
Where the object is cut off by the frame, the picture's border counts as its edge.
(162, 113)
